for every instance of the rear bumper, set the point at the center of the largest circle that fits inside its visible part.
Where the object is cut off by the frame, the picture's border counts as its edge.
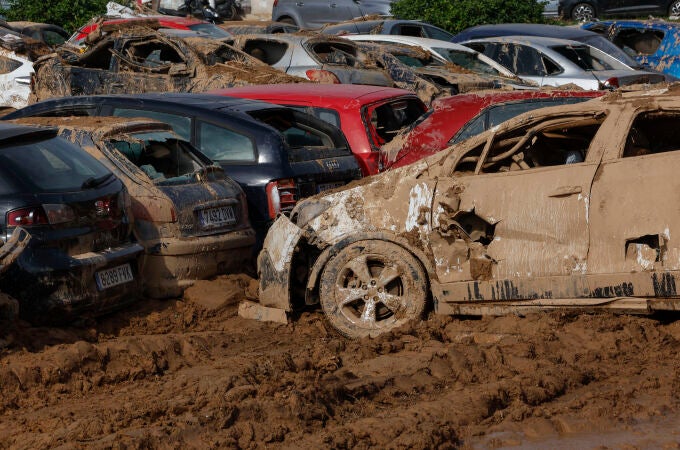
(51, 285)
(172, 265)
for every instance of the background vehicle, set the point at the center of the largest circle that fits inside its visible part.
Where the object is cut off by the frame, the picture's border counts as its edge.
(17, 53)
(190, 218)
(277, 155)
(388, 26)
(315, 13)
(554, 62)
(258, 27)
(452, 120)
(369, 116)
(653, 44)
(80, 256)
(52, 35)
(585, 10)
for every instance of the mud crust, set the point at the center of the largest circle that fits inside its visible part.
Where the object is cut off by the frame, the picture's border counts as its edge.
(371, 287)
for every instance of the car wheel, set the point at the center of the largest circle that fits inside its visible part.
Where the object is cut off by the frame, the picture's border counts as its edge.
(674, 9)
(287, 20)
(583, 12)
(371, 287)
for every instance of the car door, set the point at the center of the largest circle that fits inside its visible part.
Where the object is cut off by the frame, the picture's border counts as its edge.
(512, 219)
(635, 221)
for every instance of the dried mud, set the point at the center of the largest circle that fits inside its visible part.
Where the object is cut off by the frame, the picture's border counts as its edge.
(190, 373)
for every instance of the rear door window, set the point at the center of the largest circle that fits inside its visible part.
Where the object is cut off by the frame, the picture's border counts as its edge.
(221, 144)
(180, 124)
(384, 121)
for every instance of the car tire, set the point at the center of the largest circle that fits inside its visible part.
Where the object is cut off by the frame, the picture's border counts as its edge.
(288, 20)
(371, 287)
(583, 12)
(674, 8)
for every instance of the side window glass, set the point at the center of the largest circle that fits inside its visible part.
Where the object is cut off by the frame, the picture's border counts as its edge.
(180, 124)
(557, 142)
(269, 52)
(411, 30)
(8, 65)
(504, 54)
(472, 128)
(436, 33)
(638, 42)
(221, 144)
(653, 132)
(528, 61)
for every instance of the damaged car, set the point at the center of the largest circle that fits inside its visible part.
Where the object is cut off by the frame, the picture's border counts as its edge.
(137, 61)
(561, 207)
(191, 219)
(80, 256)
(17, 54)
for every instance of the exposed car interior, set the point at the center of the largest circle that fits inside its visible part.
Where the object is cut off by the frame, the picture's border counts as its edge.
(637, 42)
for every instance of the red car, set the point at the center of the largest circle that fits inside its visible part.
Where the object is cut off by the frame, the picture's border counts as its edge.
(177, 23)
(454, 119)
(370, 116)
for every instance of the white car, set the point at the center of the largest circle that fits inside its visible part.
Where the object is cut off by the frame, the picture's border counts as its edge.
(457, 54)
(555, 62)
(15, 79)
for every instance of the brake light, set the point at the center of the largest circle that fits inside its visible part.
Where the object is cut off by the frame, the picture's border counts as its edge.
(281, 196)
(611, 83)
(276, 2)
(26, 217)
(322, 76)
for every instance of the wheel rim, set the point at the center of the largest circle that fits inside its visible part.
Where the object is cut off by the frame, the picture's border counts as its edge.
(583, 13)
(370, 293)
(675, 9)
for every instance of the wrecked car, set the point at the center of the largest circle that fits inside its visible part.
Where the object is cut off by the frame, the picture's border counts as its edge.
(388, 27)
(80, 257)
(17, 53)
(370, 116)
(191, 219)
(52, 35)
(453, 119)
(562, 207)
(140, 60)
(277, 155)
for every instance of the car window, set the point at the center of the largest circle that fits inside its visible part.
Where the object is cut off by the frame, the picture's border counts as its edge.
(436, 33)
(555, 142)
(8, 65)
(325, 114)
(180, 124)
(466, 60)
(653, 132)
(638, 42)
(523, 60)
(472, 128)
(386, 120)
(221, 144)
(210, 30)
(52, 165)
(410, 30)
(53, 38)
(151, 56)
(336, 53)
(269, 52)
(587, 58)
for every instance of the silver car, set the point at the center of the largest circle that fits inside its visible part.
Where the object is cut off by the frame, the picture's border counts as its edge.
(555, 62)
(315, 13)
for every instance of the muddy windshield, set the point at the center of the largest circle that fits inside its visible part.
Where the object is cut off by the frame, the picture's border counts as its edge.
(466, 60)
(165, 159)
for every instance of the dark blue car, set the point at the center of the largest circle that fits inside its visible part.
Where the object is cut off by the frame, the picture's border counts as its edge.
(653, 44)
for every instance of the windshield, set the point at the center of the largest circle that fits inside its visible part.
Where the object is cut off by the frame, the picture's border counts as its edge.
(466, 60)
(608, 47)
(161, 156)
(53, 165)
(588, 58)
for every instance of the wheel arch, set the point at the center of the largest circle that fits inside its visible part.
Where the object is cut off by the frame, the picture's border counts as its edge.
(314, 276)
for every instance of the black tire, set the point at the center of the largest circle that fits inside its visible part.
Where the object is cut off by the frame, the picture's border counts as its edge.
(371, 287)
(674, 8)
(583, 12)
(287, 20)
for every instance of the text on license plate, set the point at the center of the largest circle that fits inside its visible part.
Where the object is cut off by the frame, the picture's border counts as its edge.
(327, 186)
(215, 217)
(113, 277)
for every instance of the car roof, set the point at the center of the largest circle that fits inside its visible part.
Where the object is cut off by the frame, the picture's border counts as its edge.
(523, 29)
(326, 94)
(657, 24)
(413, 40)
(494, 97)
(534, 40)
(11, 131)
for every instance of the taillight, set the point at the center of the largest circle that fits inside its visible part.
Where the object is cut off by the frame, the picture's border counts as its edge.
(281, 196)
(322, 76)
(611, 83)
(276, 2)
(27, 217)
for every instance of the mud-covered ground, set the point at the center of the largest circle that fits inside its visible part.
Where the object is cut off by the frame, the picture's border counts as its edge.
(191, 373)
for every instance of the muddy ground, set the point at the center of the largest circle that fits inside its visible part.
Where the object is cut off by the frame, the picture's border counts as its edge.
(190, 373)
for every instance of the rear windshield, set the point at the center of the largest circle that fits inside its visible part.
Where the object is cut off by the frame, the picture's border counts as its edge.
(466, 60)
(588, 58)
(165, 159)
(385, 121)
(308, 138)
(52, 165)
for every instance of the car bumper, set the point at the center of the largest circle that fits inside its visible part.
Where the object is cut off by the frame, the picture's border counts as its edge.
(172, 265)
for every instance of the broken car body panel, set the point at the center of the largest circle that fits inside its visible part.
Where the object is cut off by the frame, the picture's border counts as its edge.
(552, 205)
(12, 248)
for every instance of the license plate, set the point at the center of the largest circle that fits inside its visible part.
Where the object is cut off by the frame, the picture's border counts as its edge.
(327, 186)
(113, 277)
(217, 217)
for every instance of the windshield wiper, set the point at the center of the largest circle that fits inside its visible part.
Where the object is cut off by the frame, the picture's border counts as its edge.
(93, 182)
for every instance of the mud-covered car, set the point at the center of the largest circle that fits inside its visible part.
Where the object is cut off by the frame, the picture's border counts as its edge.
(11, 248)
(191, 219)
(257, 27)
(80, 256)
(563, 207)
(17, 53)
(143, 60)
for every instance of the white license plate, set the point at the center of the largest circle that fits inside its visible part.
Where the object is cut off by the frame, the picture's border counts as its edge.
(327, 186)
(217, 217)
(113, 277)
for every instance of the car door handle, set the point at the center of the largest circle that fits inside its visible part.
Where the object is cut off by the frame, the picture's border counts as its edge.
(299, 3)
(564, 191)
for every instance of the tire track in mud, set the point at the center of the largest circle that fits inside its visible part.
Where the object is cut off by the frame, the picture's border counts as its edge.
(175, 374)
